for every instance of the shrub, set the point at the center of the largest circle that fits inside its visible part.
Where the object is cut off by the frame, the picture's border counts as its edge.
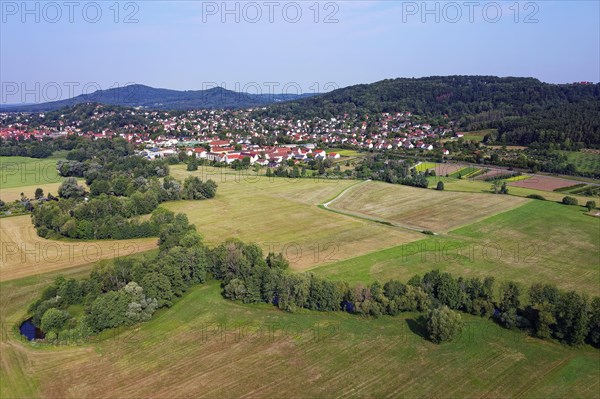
(590, 205)
(536, 196)
(440, 186)
(192, 165)
(570, 200)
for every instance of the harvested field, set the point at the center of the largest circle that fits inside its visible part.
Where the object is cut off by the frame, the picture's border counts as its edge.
(207, 346)
(24, 253)
(443, 169)
(422, 209)
(545, 183)
(14, 193)
(282, 215)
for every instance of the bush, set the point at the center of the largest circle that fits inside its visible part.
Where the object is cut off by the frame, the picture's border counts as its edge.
(192, 165)
(536, 196)
(443, 324)
(440, 186)
(570, 200)
(590, 205)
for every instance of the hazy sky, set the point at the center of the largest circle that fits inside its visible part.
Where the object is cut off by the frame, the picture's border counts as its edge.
(49, 50)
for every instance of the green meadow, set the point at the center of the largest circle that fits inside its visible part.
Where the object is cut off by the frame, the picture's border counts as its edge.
(24, 171)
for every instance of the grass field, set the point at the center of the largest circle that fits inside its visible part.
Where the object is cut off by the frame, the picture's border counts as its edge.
(588, 162)
(423, 166)
(539, 241)
(465, 172)
(24, 253)
(478, 135)
(23, 171)
(345, 152)
(422, 209)
(206, 346)
(517, 178)
(282, 214)
(23, 175)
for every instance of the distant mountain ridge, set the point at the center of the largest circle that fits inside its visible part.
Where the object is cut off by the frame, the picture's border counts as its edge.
(138, 95)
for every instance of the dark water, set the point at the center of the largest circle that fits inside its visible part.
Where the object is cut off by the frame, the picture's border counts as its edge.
(30, 331)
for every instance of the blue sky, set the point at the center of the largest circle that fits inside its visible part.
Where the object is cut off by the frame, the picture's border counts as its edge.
(195, 44)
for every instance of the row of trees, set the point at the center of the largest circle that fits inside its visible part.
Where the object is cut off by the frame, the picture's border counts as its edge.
(567, 316)
(26, 148)
(130, 290)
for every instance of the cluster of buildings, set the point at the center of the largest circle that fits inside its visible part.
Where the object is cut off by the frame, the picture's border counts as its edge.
(229, 135)
(227, 152)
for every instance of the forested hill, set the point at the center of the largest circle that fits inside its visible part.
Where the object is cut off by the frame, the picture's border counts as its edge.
(137, 95)
(524, 110)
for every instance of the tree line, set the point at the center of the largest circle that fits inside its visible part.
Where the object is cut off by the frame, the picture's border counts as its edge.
(131, 289)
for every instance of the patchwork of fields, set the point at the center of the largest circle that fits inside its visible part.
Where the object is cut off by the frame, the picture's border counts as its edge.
(538, 242)
(281, 215)
(480, 186)
(208, 346)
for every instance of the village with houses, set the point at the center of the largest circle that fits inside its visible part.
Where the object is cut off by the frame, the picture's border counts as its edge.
(224, 136)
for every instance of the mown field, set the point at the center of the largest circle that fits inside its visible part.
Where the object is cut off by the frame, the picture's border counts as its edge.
(24, 253)
(422, 209)
(282, 214)
(24, 175)
(24, 171)
(539, 241)
(14, 193)
(206, 346)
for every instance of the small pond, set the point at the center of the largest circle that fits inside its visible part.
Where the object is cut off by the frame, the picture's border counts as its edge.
(30, 331)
